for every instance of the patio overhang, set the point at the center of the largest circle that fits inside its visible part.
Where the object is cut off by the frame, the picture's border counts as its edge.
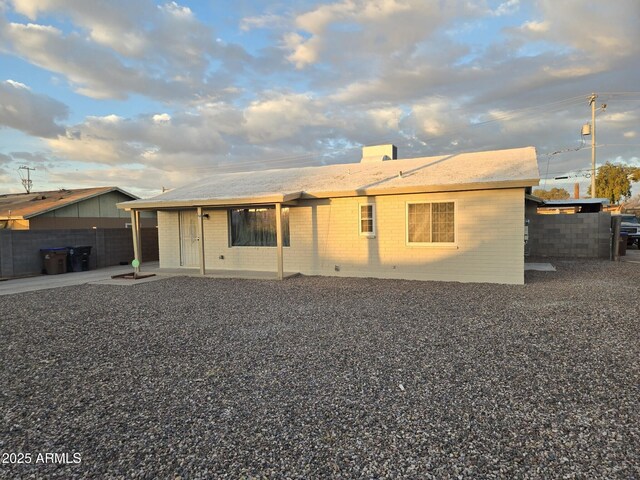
(283, 199)
(276, 201)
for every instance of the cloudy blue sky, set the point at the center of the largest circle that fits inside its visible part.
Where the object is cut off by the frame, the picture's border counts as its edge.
(144, 94)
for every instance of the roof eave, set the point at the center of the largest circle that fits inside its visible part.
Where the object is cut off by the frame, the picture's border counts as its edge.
(376, 191)
(212, 202)
(283, 198)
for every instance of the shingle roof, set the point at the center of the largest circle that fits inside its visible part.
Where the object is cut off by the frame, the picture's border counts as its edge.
(28, 205)
(467, 171)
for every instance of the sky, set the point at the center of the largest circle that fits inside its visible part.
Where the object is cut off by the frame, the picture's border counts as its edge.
(148, 95)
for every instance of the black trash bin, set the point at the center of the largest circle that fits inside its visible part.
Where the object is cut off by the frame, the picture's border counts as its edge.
(54, 260)
(78, 259)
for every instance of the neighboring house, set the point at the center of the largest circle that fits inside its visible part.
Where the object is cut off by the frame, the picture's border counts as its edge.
(452, 218)
(632, 206)
(68, 209)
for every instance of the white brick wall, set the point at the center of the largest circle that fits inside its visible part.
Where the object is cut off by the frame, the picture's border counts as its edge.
(169, 239)
(324, 233)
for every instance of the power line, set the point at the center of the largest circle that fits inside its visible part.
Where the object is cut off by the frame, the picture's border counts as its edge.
(559, 105)
(620, 93)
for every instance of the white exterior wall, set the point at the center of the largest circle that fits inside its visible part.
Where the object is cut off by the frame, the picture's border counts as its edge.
(325, 234)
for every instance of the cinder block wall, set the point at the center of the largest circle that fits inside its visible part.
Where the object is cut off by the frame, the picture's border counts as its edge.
(20, 249)
(585, 235)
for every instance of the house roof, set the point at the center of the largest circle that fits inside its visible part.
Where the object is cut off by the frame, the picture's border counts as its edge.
(516, 167)
(570, 202)
(28, 205)
(533, 198)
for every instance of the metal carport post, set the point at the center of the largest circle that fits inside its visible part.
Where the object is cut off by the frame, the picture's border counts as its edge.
(201, 240)
(135, 229)
(279, 240)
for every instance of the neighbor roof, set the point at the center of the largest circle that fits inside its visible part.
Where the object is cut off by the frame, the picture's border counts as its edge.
(570, 202)
(516, 167)
(28, 205)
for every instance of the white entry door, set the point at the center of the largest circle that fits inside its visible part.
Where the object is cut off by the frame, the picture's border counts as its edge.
(189, 239)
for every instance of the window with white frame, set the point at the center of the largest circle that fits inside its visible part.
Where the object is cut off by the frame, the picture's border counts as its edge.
(367, 219)
(430, 223)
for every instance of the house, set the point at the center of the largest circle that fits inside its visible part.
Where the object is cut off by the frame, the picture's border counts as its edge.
(68, 209)
(453, 218)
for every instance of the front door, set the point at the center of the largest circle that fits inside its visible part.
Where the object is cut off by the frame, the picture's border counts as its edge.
(189, 238)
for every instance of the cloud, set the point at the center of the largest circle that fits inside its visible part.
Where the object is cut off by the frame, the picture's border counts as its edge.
(535, 28)
(118, 48)
(163, 141)
(94, 71)
(369, 28)
(435, 117)
(597, 30)
(507, 8)
(161, 118)
(31, 157)
(281, 116)
(269, 20)
(303, 52)
(323, 79)
(15, 84)
(29, 112)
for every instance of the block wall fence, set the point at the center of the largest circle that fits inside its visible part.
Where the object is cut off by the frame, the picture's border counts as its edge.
(20, 249)
(582, 235)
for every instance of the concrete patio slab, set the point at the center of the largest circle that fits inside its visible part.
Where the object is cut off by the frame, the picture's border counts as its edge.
(44, 282)
(194, 272)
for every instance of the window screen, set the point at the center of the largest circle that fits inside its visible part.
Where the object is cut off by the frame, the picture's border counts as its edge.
(431, 222)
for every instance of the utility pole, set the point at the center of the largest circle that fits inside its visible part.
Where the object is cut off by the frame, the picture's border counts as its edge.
(590, 129)
(592, 102)
(26, 182)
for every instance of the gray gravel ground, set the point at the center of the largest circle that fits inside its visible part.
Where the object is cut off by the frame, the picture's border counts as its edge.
(327, 378)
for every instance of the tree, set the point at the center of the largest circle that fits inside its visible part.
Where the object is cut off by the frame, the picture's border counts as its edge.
(553, 194)
(614, 181)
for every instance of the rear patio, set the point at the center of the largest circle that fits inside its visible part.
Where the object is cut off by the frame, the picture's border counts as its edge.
(322, 377)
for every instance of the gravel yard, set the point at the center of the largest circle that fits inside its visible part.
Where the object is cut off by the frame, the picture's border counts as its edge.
(327, 378)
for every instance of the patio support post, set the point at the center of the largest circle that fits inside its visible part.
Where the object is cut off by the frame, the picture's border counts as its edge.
(279, 240)
(201, 240)
(135, 230)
